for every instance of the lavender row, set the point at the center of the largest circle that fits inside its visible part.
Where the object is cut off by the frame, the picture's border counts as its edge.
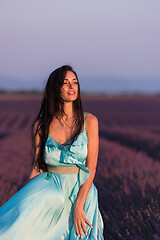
(139, 139)
(129, 192)
(15, 162)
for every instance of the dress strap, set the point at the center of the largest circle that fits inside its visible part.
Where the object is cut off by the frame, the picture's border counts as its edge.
(84, 118)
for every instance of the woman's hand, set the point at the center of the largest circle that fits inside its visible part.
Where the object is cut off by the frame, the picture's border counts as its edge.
(79, 221)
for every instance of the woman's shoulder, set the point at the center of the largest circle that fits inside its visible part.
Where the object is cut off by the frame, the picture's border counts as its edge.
(36, 125)
(91, 121)
(90, 117)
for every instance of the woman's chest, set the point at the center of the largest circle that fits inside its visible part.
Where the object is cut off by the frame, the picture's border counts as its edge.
(75, 152)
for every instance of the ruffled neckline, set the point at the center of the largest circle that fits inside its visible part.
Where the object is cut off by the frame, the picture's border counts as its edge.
(81, 139)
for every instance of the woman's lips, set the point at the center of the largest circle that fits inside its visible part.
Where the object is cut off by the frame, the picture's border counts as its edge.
(71, 93)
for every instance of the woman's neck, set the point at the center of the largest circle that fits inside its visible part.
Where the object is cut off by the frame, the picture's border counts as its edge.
(68, 109)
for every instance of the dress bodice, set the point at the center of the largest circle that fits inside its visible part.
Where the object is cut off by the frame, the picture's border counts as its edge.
(57, 154)
(73, 154)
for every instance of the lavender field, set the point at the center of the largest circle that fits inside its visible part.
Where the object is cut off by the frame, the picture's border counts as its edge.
(128, 171)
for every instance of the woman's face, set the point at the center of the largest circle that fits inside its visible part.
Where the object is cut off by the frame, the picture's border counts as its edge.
(69, 89)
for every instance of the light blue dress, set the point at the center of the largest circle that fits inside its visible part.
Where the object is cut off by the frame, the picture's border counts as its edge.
(43, 209)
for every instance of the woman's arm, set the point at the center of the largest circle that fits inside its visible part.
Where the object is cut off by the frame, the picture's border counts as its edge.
(35, 171)
(91, 163)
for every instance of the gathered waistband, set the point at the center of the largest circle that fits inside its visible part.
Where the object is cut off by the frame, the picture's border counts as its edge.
(65, 169)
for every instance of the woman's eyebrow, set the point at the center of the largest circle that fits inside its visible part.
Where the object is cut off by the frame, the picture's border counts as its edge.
(68, 79)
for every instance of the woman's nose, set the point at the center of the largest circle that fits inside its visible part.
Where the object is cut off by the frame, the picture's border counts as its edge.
(70, 85)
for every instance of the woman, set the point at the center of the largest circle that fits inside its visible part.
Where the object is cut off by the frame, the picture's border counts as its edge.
(60, 201)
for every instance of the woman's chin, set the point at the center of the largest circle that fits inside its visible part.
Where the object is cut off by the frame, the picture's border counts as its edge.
(70, 98)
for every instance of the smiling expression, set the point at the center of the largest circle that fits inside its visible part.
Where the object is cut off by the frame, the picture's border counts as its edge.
(69, 89)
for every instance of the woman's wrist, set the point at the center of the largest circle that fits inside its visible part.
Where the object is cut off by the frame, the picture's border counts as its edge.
(78, 204)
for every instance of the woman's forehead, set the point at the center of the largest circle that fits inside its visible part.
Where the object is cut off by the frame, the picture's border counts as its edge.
(70, 76)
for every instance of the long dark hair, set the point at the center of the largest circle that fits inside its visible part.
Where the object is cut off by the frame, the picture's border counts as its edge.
(53, 105)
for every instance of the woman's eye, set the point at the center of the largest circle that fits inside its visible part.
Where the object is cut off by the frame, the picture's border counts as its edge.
(75, 82)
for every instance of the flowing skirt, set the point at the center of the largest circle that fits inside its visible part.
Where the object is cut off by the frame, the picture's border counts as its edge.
(42, 210)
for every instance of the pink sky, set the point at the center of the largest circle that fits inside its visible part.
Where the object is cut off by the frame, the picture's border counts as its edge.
(103, 41)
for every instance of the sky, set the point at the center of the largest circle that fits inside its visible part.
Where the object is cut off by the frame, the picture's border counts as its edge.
(113, 45)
